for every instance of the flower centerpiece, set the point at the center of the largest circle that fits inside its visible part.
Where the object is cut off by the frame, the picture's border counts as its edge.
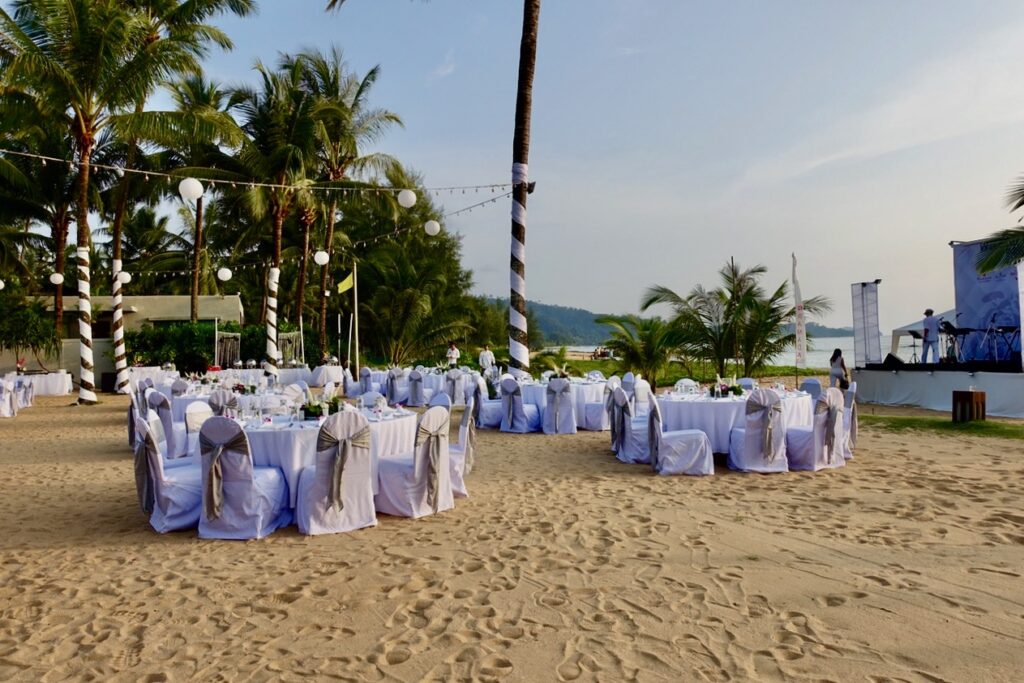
(335, 404)
(379, 406)
(312, 410)
(238, 388)
(724, 387)
(20, 366)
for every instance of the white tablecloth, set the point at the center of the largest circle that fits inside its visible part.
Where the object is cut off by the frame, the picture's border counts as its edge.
(286, 376)
(717, 417)
(293, 448)
(50, 383)
(154, 373)
(179, 404)
(328, 373)
(582, 394)
(438, 383)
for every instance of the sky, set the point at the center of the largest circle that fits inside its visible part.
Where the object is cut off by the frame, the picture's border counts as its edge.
(669, 136)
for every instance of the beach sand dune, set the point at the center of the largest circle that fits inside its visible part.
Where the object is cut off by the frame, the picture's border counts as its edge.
(563, 565)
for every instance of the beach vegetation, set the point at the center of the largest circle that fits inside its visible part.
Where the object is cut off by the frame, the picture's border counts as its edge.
(944, 425)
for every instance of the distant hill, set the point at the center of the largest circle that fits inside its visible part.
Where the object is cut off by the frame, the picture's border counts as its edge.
(816, 330)
(566, 326)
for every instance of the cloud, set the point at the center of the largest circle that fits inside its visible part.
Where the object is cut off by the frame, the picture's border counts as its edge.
(445, 69)
(629, 51)
(974, 89)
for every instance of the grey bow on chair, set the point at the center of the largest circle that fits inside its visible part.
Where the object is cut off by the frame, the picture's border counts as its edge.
(343, 447)
(835, 414)
(654, 435)
(365, 380)
(554, 395)
(143, 480)
(392, 389)
(469, 422)
(179, 387)
(450, 380)
(518, 391)
(609, 408)
(213, 489)
(222, 399)
(853, 424)
(620, 413)
(432, 439)
(770, 412)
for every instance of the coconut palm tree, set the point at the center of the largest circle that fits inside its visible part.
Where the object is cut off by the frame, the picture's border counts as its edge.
(643, 345)
(89, 60)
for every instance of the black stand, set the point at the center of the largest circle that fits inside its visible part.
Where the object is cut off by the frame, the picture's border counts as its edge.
(914, 337)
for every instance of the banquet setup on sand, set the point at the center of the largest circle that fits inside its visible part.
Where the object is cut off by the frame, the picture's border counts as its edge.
(562, 563)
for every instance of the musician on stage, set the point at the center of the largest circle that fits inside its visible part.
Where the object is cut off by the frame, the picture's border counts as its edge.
(930, 336)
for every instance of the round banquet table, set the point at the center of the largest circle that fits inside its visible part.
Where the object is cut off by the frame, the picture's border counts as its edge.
(439, 382)
(179, 404)
(286, 376)
(293, 447)
(49, 383)
(158, 375)
(717, 416)
(582, 394)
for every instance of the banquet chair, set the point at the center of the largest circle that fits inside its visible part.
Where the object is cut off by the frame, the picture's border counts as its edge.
(328, 390)
(393, 388)
(441, 399)
(177, 437)
(418, 483)
(595, 376)
(156, 427)
(294, 393)
(222, 400)
(631, 434)
(307, 394)
(488, 409)
(366, 382)
(629, 383)
(747, 383)
(178, 387)
(517, 417)
(239, 500)
(26, 394)
(418, 395)
(596, 415)
(760, 445)
(369, 399)
(560, 413)
(8, 399)
(133, 415)
(850, 421)
(172, 496)
(463, 454)
(685, 386)
(470, 392)
(683, 451)
(811, 386)
(819, 446)
(196, 413)
(336, 494)
(642, 397)
(451, 384)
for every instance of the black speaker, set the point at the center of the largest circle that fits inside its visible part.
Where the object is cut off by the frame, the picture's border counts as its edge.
(891, 362)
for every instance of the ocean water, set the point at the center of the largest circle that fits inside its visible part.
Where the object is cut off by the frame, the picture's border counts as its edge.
(818, 353)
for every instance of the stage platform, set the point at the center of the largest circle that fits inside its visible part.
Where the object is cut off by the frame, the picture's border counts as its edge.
(932, 387)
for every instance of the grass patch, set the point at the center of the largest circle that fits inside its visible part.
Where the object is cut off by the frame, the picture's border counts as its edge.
(998, 430)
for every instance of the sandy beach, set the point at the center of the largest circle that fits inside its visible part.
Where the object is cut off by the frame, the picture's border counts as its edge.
(563, 565)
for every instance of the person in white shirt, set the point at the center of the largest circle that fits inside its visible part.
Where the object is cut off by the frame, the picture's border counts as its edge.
(453, 356)
(931, 336)
(486, 360)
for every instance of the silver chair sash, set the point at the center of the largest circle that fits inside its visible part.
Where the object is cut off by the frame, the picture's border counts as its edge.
(620, 413)
(179, 387)
(469, 422)
(415, 388)
(769, 413)
(343, 447)
(833, 413)
(143, 478)
(853, 424)
(432, 439)
(554, 396)
(654, 436)
(221, 399)
(365, 380)
(518, 391)
(609, 407)
(213, 491)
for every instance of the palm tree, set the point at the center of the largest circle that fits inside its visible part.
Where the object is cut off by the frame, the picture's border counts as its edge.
(557, 362)
(1006, 247)
(90, 60)
(643, 345)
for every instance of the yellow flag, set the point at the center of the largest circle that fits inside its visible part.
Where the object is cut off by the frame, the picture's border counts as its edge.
(345, 284)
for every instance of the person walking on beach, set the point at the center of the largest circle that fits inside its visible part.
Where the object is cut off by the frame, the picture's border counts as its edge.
(931, 336)
(838, 372)
(486, 360)
(453, 356)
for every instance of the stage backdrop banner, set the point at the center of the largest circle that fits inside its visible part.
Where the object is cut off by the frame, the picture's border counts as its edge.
(989, 304)
(867, 338)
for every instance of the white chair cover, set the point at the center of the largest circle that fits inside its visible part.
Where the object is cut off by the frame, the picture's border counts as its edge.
(821, 445)
(369, 398)
(451, 382)
(196, 413)
(221, 400)
(488, 410)
(747, 383)
(463, 454)
(628, 383)
(760, 445)
(393, 389)
(239, 501)
(595, 415)
(8, 399)
(560, 413)
(642, 396)
(177, 438)
(336, 495)
(684, 451)
(178, 387)
(632, 434)
(419, 483)
(416, 391)
(173, 496)
(365, 380)
(515, 416)
(293, 393)
(811, 386)
(685, 385)
(442, 399)
(609, 407)
(850, 420)
(595, 376)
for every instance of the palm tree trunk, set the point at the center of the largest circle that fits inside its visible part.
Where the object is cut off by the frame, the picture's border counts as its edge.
(323, 278)
(306, 220)
(518, 342)
(60, 242)
(197, 250)
(86, 377)
(117, 324)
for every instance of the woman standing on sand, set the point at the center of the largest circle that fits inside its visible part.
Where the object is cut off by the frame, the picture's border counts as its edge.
(838, 373)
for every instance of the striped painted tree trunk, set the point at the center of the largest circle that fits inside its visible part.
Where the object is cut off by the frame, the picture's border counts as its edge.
(272, 278)
(519, 350)
(120, 355)
(87, 378)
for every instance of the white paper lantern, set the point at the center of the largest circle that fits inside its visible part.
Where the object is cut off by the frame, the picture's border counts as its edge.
(327, 293)
(56, 279)
(190, 189)
(321, 258)
(125, 277)
(224, 274)
(432, 227)
(406, 199)
(2, 285)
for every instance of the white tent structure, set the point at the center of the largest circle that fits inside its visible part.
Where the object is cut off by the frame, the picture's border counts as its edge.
(900, 332)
